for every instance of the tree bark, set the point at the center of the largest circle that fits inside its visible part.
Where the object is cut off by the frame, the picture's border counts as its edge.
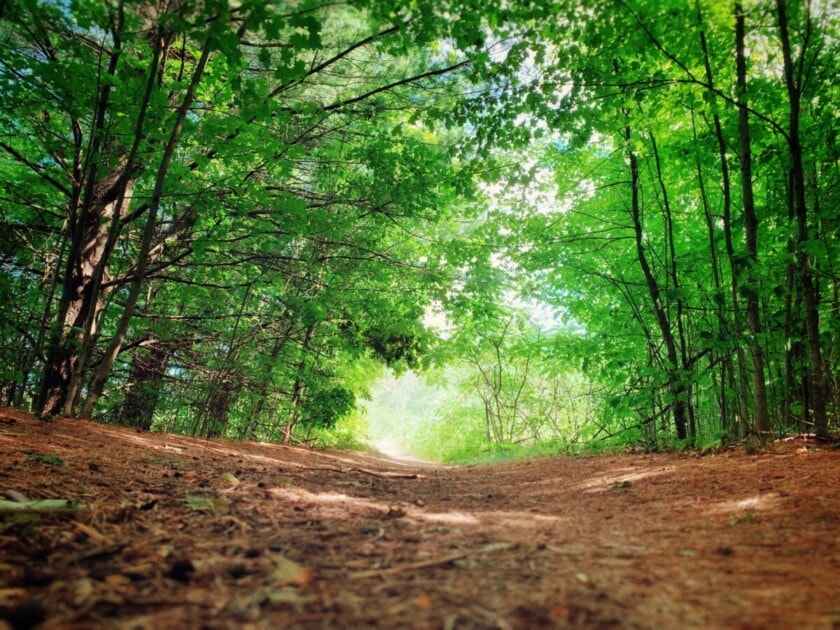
(735, 331)
(676, 384)
(147, 371)
(673, 274)
(810, 292)
(92, 203)
(103, 371)
(750, 287)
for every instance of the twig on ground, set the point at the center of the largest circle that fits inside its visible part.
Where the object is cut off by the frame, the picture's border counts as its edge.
(363, 575)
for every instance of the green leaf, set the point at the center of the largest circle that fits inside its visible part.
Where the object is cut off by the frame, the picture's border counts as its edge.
(46, 459)
(204, 504)
(41, 505)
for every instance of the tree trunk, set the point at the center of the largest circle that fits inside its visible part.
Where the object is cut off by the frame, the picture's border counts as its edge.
(103, 371)
(94, 220)
(143, 391)
(298, 388)
(735, 331)
(750, 287)
(810, 292)
(724, 358)
(672, 270)
(676, 385)
(81, 305)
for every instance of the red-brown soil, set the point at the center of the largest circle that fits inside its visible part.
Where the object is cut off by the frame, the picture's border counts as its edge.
(178, 532)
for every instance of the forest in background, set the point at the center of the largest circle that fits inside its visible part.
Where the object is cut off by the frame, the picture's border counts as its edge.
(609, 222)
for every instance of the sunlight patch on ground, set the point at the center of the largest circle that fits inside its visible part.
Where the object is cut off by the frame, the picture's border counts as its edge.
(333, 504)
(447, 518)
(338, 505)
(274, 452)
(620, 477)
(514, 520)
(758, 502)
(330, 501)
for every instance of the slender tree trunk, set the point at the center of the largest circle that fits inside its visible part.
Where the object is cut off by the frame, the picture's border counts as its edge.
(750, 288)
(143, 391)
(725, 359)
(262, 406)
(672, 269)
(795, 385)
(830, 358)
(736, 331)
(810, 292)
(676, 384)
(298, 388)
(223, 389)
(51, 278)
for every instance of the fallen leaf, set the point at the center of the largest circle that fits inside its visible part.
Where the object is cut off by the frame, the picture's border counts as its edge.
(46, 459)
(91, 533)
(229, 478)
(14, 495)
(748, 518)
(204, 504)
(43, 504)
(282, 481)
(499, 546)
(288, 572)
(287, 595)
(465, 563)
(423, 601)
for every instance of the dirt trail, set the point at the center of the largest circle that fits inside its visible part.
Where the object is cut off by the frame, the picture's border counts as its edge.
(177, 532)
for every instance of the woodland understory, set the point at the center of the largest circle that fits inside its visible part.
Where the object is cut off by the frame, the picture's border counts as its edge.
(589, 223)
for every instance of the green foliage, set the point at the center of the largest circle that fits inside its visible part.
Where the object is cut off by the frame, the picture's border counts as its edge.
(326, 407)
(300, 184)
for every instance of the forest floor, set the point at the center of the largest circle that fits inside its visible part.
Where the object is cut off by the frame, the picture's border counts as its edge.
(157, 531)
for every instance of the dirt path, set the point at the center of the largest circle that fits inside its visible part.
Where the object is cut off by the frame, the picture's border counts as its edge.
(184, 533)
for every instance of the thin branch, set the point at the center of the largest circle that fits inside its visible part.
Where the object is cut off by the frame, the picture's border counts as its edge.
(335, 58)
(34, 167)
(390, 86)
